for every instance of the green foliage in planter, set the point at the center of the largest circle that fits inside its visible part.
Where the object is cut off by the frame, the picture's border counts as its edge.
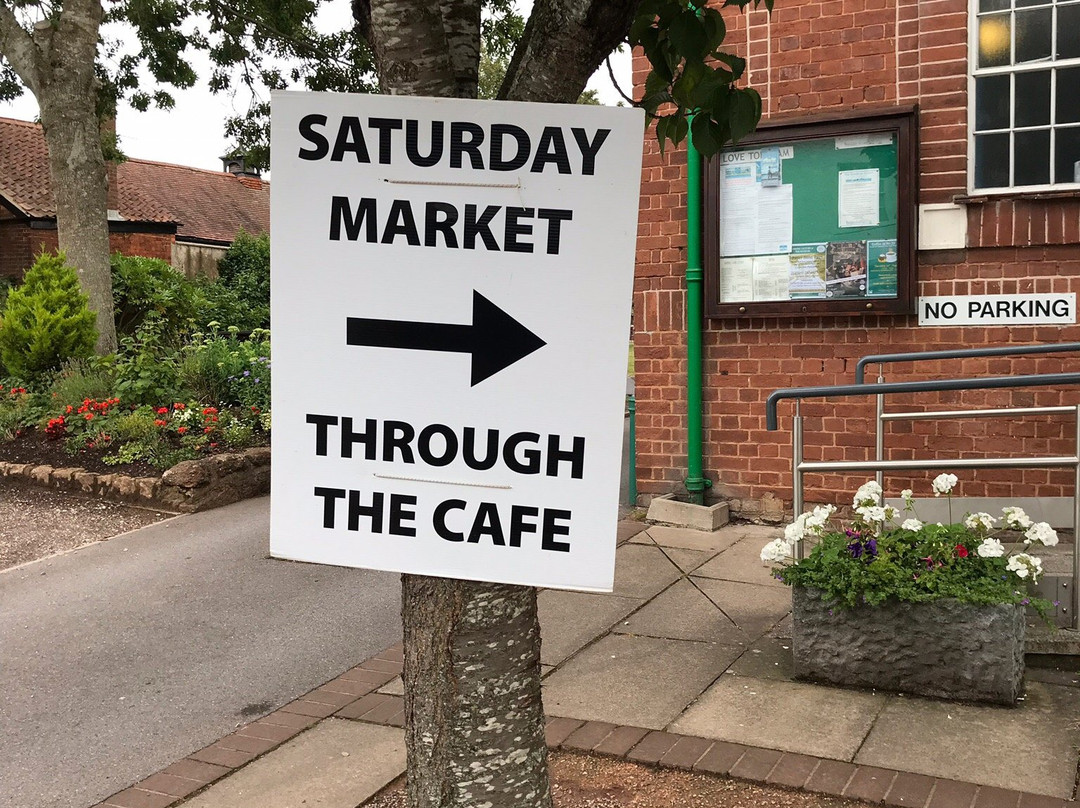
(46, 320)
(144, 285)
(873, 560)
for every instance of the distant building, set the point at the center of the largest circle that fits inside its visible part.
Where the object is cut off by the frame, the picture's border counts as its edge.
(186, 216)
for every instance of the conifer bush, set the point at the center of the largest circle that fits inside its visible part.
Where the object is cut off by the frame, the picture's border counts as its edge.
(46, 320)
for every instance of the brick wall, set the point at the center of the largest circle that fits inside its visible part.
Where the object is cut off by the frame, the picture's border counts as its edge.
(829, 56)
(19, 243)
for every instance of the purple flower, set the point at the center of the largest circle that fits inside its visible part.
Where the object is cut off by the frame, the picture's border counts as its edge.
(871, 548)
(1025, 601)
(856, 549)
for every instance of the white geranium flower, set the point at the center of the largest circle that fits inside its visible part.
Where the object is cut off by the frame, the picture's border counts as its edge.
(991, 548)
(912, 524)
(869, 493)
(908, 495)
(778, 551)
(944, 484)
(816, 520)
(1041, 533)
(1015, 518)
(1024, 565)
(979, 521)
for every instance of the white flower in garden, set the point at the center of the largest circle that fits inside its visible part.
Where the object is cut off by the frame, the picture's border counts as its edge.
(778, 551)
(815, 521)
(912, 524)
(869, 493)
(876, 513)
(908, 495)
(1041, 533)
(795, 531)
(944, 484)
(1024, 565)
(979, 521)
(1015, 518)
(991, 548)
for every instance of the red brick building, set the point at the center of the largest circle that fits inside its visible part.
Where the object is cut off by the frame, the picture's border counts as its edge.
(994, 88)
(186, 216)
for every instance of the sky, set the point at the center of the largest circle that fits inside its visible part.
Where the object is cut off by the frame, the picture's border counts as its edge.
(192, 133)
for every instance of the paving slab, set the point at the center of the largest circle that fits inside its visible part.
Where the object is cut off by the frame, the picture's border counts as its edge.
(1031, 747)
(688, 560)
(768, 658)
(789, 716)
(688, 539)
(571, 620)
(628, 529)
(682, 612)
(754, 609)
(741, 562)
(335, 764)
(642, 571)
(395, 687)
(636, 681)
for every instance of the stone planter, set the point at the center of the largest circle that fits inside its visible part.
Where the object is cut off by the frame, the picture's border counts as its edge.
(944, 649)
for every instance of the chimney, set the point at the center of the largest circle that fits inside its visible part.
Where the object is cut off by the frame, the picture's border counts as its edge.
(238, 168)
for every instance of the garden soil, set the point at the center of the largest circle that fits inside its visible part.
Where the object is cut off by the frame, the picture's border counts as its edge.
(36, 522)
(584, 781)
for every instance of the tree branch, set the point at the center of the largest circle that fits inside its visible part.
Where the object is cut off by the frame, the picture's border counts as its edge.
(18, 48)
(615, 82)
(564, 43)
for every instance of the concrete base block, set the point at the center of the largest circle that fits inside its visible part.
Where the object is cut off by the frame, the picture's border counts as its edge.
(945, 649)
(671, 511)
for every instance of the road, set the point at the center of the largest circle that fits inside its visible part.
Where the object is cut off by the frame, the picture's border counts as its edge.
(124, 656)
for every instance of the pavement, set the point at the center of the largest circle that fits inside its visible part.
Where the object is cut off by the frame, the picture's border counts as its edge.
(687, 663)
(121, 657)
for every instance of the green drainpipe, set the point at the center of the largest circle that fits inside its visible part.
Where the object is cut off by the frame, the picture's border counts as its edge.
(696, 482)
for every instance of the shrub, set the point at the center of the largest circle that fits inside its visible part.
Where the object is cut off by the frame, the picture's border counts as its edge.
(144, 285)
(147, 366)
(46, 320)
(241, 294)
(80, 379)
(17, 411)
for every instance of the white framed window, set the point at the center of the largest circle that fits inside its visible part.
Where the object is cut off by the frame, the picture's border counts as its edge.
(1024, 95)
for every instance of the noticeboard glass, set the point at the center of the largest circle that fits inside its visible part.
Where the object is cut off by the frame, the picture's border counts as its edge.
(816, 217)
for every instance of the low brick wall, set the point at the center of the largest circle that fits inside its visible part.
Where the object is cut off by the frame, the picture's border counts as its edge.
(194, 485)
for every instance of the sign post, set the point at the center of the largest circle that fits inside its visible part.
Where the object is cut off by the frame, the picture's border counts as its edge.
(451, 285)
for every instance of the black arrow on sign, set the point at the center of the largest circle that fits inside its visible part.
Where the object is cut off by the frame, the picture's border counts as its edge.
(495, 339)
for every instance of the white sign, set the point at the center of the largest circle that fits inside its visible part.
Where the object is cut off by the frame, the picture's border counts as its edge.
(1055, 309)
(451, 288)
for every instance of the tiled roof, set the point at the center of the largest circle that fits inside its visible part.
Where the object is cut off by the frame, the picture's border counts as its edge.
(205, 205)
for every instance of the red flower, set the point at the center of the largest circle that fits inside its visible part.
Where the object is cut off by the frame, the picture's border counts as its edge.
(69, 410)
(181, 430)
(179, 406)
(162, 410)
(89, 416)
(159, 422)
(961, 551)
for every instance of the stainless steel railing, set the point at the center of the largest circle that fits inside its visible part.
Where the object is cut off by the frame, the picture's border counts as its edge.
(879, 465)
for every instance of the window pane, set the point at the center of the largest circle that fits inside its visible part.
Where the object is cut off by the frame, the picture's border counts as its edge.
(994, 38)
(1022, 3)
(993, 5)
(1033, 98)
(1067, 156)
(1068, 32)
(992, 161)
(1031, 158)
(1033, 35)
(991, 103)
(1068, 95)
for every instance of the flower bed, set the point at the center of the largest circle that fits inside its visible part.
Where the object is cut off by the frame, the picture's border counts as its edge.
(933, 609)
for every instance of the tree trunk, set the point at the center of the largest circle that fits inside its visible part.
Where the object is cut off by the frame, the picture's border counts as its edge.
(77, 170)
(56, 61)
(474, 716)
(473, 713)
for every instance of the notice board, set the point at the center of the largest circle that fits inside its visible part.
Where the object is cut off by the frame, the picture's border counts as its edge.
(816, 217)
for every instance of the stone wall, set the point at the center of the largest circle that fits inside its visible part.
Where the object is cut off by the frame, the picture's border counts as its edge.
(194, 485)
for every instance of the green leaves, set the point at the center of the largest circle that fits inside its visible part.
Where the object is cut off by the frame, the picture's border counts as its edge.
(691, 77)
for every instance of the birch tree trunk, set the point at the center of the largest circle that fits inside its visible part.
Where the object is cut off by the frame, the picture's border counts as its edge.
(474, 715)
(56, 63)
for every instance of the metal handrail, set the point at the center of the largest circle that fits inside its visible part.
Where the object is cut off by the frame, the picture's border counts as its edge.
(879, 465)
(936, 385)
(1016, 350)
